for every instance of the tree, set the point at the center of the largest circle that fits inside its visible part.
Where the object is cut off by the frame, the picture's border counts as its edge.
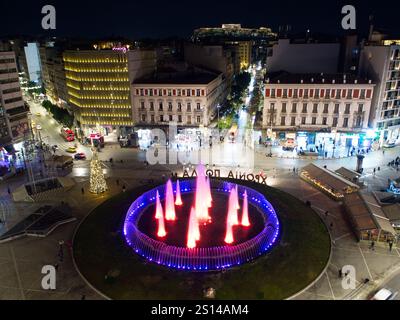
(97, 181)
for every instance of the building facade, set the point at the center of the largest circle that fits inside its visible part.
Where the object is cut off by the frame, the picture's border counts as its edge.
(189, 99)
(14, 126)
(314, 107)
(382, 64)
(32, 56)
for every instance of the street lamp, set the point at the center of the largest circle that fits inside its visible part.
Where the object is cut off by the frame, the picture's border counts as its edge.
(218, 106)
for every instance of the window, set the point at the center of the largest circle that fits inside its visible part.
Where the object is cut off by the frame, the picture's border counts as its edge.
(303, 120)
(349, 93)
(360, 107)
(152, 118)
(282, 121)
(304, 108)
(160, 92)
(141, 92)
(294, 107)
(179, 106)
(179, 92)
(142, 105)
(143, 118)
(295, 93)
(151, 106)
(347, 109)
(11, 90)
(316, 94)
(198, 106)
(335, 121)
(284, 93)
(284, 107)
(305, 93)
(345, 122)
(151, 92)
(170, 117)
(362, 94)
(169, 106)
(272, 93)
(358, 122)
(338, 92)
(189, 119)
(169, 92)
(324, 119)
(327, 93)
(161, 118)
(189, 107)
(336, 108)
(326, 108)
(293, 121)
(272, 106)
(198, 119)
(13, 100)
(179, 118)
(198, 92)
(314, 120)
(188, 92)
(315, 108)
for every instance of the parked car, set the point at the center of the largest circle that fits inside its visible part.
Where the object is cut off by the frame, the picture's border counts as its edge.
(384, 294)
(80, 156)
(71, 150)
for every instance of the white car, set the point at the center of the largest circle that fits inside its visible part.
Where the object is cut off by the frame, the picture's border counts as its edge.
(38, 127)
(384, 294)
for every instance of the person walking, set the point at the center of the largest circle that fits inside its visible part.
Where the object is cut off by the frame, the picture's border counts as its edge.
(340, 273)
(8, 190)
(83, 191)
(372, 246)
(117, 182)
(390, 245)
(123, 188)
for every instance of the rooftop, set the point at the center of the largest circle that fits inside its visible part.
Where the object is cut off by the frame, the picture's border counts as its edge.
(318, 78)
(172, 77)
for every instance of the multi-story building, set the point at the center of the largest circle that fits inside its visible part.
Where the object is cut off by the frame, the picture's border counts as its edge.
(244, 52)
(314, 107)
(32, 57)
(13, 110)
(98, 84)
(53, 75)
(382, 64)
(188, 98)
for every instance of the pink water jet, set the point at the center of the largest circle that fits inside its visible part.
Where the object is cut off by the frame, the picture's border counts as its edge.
(229, 233)
(237, 198)
(203, 197)
(161, 227)
(169, 202)
(178, 199)
(193, 233)
(232, 208)
(245, 212)
(159, 209)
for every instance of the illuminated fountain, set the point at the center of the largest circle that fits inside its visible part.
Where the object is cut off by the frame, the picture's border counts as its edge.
(193, 241)
(160, 218)
(169, 202)
(245, 212)
(178, 198)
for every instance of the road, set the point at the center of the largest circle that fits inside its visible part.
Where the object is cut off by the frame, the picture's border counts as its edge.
(393, 284)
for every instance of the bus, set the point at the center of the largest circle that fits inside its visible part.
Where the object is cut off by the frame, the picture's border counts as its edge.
(67, 134)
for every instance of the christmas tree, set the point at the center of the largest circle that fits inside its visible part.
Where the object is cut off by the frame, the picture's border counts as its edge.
(97, 181)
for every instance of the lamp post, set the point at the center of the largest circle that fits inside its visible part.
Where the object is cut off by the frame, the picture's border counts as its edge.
(218, 106)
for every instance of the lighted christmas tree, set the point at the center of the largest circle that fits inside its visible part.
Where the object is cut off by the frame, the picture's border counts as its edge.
(97, 181)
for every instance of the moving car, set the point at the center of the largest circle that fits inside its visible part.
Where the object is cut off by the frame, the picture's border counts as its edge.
(389, 145)
(289, 144)
(384, 294)
(71, 149)
(80, 156)
(38, 114)
(38, 127)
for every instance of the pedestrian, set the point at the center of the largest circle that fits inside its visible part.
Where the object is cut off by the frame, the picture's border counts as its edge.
(390, 245)
(123, 188)
(83, 191)
(326, 213)
(56, 266)
(340, 273)
(374, 171)
(331, 226)
(8, 190)
(372, 246)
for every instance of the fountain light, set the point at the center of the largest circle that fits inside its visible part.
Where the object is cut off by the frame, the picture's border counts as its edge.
(202, 196)
(161, 227)
(193, 233)
(232, 216)
(178, 199)
(245, 212)
(159, 209)
(169, 202)
(229, 232)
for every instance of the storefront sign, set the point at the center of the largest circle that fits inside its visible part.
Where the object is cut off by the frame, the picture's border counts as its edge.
(259, 178)
(123, 49)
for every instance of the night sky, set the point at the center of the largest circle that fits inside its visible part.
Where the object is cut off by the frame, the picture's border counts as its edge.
(159, 19)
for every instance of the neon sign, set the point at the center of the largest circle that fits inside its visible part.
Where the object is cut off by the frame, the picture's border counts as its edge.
(124, 49)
